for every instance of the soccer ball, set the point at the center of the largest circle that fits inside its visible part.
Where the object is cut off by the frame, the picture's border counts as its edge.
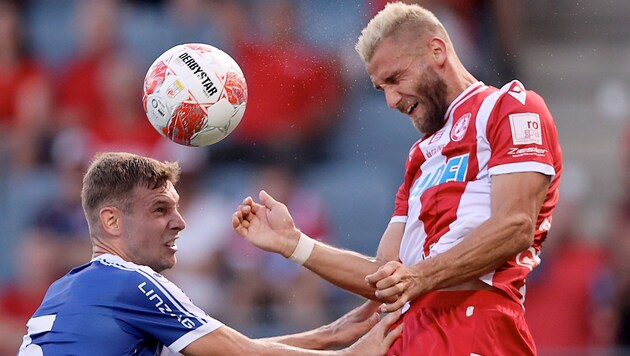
(194, 94)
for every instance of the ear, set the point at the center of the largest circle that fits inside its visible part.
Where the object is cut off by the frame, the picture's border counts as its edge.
(437, 46)
(111, 220)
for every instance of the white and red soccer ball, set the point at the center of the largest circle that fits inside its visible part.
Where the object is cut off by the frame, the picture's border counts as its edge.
(194, 94)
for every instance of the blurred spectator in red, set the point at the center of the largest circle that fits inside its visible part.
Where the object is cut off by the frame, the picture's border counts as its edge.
(102, 84)
(295, 89)
(25, 103)
(278, 292)
(81, 92)
(121, 124)
(568, 304)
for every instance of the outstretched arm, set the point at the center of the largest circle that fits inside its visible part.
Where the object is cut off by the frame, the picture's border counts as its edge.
(269, 226)
(227, 341)
(340, 333)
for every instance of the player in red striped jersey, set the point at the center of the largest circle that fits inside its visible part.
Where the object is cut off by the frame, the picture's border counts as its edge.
(473, 209)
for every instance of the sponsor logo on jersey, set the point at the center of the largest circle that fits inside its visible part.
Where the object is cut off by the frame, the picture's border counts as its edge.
(430, 152)
(436, 136)
(526, 129)
(164, 307)
(526, 151)
(453, 170)
(459, 128)
(518, 93)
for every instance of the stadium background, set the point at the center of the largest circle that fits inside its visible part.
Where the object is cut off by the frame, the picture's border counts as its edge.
(340, 149)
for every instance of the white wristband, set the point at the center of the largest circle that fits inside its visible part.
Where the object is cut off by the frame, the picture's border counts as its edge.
(303, 249)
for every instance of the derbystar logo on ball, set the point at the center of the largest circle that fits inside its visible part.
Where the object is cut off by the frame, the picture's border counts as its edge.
(194, 94)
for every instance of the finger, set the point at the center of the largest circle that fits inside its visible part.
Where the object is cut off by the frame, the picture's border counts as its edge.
(373, 320)
(235, 221)
(392, 290)
(392, 281)
(393, 335)
(245, 210)
(255, 207)
(266, 199)
(367, 308)
(384, 271)
(239, 228)
(395, 306)
(389, 319)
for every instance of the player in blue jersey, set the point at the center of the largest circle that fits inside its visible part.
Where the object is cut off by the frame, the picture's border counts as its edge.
(119, 304)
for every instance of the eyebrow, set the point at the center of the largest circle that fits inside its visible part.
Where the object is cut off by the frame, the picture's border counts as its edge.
(162, 200)
(388, 80)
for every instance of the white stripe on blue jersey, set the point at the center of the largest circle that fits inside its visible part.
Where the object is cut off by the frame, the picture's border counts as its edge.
(113, 307)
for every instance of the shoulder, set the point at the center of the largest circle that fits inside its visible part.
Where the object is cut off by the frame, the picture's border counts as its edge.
(124, 279)
(513, 97)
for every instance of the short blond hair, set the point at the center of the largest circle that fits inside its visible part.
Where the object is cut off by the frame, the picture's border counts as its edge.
(392, 18)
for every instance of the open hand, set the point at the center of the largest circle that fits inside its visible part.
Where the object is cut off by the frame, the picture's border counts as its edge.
(267, 224)
(379, 339)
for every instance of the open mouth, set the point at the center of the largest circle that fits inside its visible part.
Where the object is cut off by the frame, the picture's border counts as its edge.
(171, 245)
(411, 108)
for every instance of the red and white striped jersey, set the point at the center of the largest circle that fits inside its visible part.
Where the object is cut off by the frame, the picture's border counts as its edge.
(446, 189)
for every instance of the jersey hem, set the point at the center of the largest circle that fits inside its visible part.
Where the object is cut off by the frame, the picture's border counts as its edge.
(521, 167)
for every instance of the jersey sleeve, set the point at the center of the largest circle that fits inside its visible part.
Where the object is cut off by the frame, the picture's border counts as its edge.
(521, 133)
(401, 204)
(152, 305)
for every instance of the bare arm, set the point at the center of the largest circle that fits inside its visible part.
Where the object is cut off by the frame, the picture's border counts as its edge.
(227, 341)
(270, 227)
(347, 269)
(516, 201)
(340, 333)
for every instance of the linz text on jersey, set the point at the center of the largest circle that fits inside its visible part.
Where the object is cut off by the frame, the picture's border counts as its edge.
(208, 86)
(165, 308)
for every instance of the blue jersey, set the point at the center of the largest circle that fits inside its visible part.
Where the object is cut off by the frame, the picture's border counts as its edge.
(113, 307)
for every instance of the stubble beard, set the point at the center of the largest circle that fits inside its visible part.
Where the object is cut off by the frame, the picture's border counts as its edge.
(434, 100)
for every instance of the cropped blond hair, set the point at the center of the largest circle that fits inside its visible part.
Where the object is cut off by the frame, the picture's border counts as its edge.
(394, 17)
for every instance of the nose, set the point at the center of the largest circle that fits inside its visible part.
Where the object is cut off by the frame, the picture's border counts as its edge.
(178, 221)
(392, 97)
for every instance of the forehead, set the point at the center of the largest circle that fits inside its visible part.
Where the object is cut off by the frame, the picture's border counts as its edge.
(147, 196)
(390, 56)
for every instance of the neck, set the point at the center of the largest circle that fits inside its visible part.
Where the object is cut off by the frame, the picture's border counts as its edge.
(460, 79)
(99, 248)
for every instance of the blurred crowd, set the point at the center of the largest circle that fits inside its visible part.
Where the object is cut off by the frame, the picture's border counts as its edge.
(315, 135)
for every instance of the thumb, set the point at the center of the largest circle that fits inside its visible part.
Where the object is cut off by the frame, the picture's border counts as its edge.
(266, 199)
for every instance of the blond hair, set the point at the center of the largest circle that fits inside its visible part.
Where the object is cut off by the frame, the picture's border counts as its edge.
(390, 20)
(112, 176)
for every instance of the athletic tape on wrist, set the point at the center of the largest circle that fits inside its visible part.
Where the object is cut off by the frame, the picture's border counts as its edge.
(303, 249)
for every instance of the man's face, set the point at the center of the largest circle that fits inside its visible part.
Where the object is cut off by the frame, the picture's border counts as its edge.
(152, 226)
(404, 73)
